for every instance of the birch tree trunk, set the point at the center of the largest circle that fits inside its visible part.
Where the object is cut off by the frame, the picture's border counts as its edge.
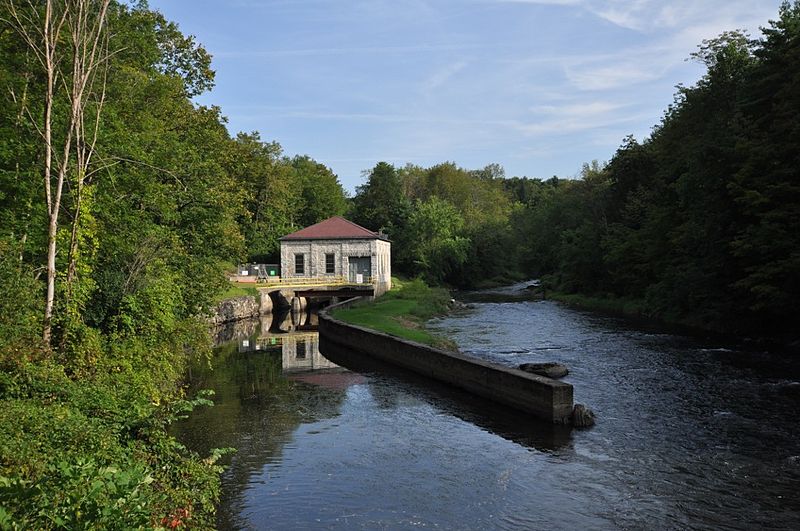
(69, 60)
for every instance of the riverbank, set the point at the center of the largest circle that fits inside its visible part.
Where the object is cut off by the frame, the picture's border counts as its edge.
(84, 442)
(636, 311)
(402, 312)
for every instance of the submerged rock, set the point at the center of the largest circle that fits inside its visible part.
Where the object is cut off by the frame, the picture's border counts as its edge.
(549, 369)
(582, 416)
(457, 305)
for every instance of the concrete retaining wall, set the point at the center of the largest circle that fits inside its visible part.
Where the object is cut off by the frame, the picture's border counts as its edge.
(548, 399)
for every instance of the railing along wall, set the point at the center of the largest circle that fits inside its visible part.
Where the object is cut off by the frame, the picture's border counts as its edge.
(315, 281)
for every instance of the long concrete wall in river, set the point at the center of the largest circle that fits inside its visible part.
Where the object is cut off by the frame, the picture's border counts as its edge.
(545, 398)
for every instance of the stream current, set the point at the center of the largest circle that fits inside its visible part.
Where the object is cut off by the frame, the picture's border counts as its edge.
(690, 434)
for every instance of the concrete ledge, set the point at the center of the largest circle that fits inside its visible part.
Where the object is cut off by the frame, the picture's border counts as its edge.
(547, 399)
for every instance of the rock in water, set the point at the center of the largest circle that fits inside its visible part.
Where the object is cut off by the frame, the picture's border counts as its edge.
(549, 369)
(582, 417)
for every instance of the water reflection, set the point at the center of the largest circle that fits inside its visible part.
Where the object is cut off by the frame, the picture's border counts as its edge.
(506, 422)
(690, 435)
(293, 334)
(269, 325)
(297, 420)
(263, 394)
(299, 350)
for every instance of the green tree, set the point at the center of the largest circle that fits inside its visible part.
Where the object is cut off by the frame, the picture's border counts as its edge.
(381, 204)
(435, 239)
(320, 191)
(766, 188)
(271, 194)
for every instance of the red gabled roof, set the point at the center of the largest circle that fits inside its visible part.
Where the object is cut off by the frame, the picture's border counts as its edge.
(335, 228)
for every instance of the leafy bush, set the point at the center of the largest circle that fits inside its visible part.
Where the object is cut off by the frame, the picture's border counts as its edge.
(86, 447)
(20, 301)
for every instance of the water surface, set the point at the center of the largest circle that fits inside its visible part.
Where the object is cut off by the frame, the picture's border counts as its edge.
(690, 434)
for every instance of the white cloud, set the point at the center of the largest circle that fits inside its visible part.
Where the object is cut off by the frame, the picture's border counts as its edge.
(441, 76)
(611, 76)
(568, 121)
(650, 16)
(592, 108)
(629, 14)
(544, 2)
(653, 15)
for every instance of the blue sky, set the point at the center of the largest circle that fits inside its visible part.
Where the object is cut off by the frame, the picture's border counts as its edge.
(537, 86)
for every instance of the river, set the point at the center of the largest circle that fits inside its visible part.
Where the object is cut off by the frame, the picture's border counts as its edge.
(690, 433)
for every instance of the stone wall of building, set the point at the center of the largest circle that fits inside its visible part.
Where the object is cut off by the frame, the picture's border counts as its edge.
(314, 252)
(382, 267)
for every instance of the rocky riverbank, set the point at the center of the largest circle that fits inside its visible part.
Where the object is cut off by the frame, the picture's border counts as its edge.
(236, 309)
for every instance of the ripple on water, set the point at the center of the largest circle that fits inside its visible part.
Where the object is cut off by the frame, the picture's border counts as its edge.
(688, 436)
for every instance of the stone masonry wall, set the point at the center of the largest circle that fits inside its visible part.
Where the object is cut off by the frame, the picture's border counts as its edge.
(235, 309)
(314, 252)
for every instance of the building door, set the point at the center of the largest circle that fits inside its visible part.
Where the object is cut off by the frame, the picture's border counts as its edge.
(359, 265)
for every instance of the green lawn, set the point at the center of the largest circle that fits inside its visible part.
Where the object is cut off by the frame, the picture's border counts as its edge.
(237, 289)
(402, 312)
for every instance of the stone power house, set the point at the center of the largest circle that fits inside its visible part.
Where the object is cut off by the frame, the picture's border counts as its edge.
(338, 249)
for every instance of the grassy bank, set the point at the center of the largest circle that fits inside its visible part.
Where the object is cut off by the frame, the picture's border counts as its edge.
(638, 311)
(402, 312)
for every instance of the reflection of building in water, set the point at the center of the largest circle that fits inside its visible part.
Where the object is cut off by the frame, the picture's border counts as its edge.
(301, 353)
(294, 333)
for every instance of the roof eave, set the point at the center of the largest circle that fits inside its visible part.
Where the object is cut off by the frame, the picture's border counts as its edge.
(305, 238)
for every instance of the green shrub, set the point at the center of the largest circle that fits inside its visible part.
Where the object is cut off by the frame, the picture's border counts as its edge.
(237, 289)
(21, 307)
(85, 446)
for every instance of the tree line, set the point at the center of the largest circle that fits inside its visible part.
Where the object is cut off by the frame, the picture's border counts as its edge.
(698, 224)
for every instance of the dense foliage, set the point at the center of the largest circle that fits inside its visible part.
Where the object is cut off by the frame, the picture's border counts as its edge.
(122, 205)
(446, 223)
(281, 194)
